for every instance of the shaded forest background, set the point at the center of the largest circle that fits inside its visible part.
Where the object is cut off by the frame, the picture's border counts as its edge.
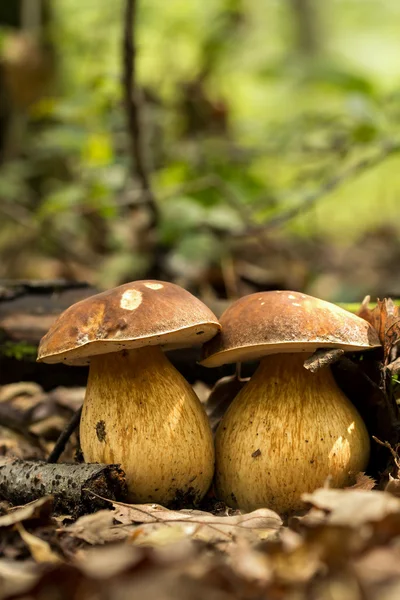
(268, 155)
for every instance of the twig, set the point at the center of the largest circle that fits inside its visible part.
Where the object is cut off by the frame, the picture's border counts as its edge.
(310, 199)
(133, 109)
(323, 357)
(393, 452)
(64, 437)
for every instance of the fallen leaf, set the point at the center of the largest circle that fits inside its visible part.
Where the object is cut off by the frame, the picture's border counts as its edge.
(97, 528)
(385, 318)
(353, 507)
(17, 577)
(160, 525)
(363, 482)
(107, 561)
(39, 549)
(38, 509)
(262, 518)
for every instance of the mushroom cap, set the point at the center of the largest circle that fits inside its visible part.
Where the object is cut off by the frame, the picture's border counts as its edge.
(277, 322)
(133, 315)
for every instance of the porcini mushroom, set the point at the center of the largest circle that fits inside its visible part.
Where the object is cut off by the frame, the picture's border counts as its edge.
(139, 411)
(288, 429)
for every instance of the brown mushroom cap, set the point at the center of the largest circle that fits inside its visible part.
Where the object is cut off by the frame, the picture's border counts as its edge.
(137, 314)
(277, 322)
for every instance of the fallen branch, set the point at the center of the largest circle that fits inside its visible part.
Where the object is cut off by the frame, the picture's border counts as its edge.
(75, 488)
(64, 437)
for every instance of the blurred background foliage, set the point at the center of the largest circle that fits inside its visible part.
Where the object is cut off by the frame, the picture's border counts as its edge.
(271, 131)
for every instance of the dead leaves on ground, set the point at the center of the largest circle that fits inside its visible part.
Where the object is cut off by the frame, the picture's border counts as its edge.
(345, 546)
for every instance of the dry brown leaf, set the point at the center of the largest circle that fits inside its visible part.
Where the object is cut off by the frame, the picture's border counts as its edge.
(393, 486)
(16, 577)
(40, 508)
(167, 534)
(263, 518)
(353, 508)
(40, 550)
(107, 561)
(160, 526)
(363, 482)
(385, 318)
(97, 528)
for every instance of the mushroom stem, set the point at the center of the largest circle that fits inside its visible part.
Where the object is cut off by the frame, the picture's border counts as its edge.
(141, 413)
(285, 433)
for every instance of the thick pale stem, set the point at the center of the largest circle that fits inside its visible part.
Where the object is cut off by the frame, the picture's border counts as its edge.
(285, 433)
(141, 413)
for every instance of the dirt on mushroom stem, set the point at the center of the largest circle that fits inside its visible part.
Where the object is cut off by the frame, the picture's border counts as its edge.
(141, 413)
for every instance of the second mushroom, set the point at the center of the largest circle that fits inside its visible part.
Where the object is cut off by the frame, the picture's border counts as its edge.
(287, 430)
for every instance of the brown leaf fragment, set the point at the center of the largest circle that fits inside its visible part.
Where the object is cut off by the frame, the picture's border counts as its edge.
(39, 549)
(385, 318)
(108, 561)
(97, 528)
(262, 518)
(363, 482)
(17, 577)
(393, 486)
(39, 509)
(353, 508)
(322, 358)
(372, 316)
(160, 525)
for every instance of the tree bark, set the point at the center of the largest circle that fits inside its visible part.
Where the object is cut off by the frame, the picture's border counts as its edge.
(70, 484)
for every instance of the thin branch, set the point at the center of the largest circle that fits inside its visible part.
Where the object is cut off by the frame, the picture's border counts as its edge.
(332, 184)
(64, 437)
(393, 452)
(133, 106)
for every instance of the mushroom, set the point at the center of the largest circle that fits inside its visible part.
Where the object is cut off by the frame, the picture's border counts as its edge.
(139, 411)
(288, 430)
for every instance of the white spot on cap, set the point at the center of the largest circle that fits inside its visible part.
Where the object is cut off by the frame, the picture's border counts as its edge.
(292, 297)
(154, 286)
(131, 299)
(295, 304)
(83, 339)
(262, 303)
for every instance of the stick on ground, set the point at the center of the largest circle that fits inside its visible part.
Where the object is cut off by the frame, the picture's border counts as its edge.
(70, 484)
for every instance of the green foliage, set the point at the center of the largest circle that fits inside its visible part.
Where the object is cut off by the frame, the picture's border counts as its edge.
(227, 97)
(18, 350)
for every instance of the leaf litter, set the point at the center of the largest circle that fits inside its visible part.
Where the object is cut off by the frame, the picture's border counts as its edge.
(345, 544)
